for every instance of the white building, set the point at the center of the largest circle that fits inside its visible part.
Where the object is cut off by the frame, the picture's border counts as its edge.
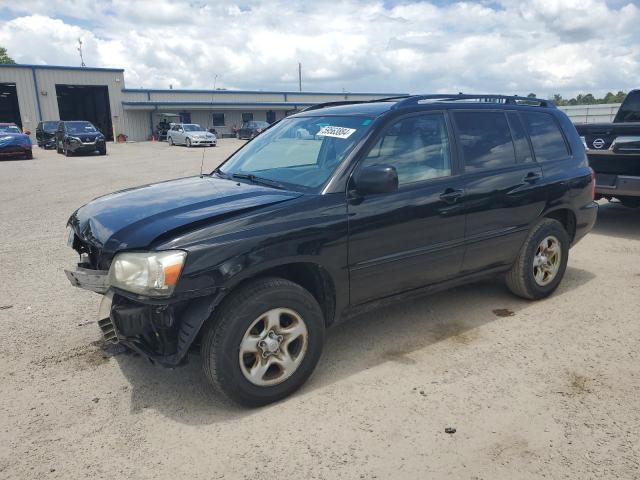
(33, 93)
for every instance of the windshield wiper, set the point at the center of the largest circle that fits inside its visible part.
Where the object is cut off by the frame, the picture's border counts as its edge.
(259, 180)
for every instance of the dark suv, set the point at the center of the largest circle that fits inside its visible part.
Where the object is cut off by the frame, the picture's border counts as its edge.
(388, 199)
(79, 136)
(46, 134)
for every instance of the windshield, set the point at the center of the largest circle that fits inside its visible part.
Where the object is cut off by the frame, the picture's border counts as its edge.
(630, 108)
(300, 152)
(80, 127)
(49, 126)
(9, 129)
(192, 127)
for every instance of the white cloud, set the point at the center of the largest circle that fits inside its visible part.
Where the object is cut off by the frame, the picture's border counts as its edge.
(509, 46)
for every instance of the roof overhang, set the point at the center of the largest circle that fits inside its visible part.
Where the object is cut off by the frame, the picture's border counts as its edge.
(150, 106)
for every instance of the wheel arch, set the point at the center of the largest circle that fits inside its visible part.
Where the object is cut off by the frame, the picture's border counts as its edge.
(566, 217)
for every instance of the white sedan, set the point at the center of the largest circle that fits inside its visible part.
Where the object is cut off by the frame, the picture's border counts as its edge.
(191, 135)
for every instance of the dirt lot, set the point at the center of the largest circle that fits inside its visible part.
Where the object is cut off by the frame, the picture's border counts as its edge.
(547, 389)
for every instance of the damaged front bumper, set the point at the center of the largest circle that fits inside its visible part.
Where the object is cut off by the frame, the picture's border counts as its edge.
(161, 330)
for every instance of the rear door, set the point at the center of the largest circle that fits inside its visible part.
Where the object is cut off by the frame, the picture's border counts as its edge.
(415, 236)
(503, 184)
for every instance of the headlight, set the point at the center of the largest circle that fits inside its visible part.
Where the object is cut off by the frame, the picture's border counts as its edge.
(584, 142)
(74, 140)
(154, 274)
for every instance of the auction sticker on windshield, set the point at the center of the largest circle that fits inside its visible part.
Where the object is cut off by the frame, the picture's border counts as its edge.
(338, 132)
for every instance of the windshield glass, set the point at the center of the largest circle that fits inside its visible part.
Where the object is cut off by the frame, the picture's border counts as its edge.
(630, 108)
(9, 129)
(300, 153)
(80, 127)
(192, 127)
(49, 126)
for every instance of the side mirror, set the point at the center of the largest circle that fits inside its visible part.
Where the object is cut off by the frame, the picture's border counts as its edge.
(376, 179)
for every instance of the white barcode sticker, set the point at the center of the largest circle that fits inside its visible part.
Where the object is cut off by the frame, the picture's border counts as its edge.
(338, 132)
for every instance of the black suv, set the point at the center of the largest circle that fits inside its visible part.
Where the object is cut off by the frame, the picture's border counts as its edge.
(46, 134)
(79, 136)
(291, 234)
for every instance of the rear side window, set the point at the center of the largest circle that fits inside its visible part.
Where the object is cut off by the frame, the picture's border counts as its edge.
(630, 108)
(546, 138)
(485, 140)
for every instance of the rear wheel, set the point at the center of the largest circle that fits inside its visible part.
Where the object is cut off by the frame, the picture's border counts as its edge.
(542, 261)
(264, 342)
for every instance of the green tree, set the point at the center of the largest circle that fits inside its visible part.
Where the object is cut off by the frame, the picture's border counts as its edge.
(531, 95)
(4, 57)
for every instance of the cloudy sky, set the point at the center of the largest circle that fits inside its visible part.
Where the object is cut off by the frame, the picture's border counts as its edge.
(500, 46)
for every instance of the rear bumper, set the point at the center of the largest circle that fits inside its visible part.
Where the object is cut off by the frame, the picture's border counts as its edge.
(585, 220)
(610, 185)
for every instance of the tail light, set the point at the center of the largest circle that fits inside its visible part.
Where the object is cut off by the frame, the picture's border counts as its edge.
(593, 183)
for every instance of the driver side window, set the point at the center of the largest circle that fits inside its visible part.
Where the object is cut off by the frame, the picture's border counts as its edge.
(417, 146)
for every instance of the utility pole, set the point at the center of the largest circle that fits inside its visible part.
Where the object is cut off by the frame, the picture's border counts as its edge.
(80, 51)
(300, 76)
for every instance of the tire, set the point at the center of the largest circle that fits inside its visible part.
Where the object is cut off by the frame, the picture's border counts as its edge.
(224, 332)
(28, 155)
(67, 152)
(187, 142)
(171, 144)
(103, 151)
(521, 279)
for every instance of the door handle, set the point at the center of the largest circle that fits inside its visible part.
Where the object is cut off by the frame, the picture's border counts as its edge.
(451, 195)
(532, 177)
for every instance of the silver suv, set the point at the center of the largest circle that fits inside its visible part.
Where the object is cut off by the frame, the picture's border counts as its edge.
(190, 134)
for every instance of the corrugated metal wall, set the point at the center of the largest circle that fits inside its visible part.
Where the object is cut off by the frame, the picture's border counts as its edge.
(27, 100)
(603, 113)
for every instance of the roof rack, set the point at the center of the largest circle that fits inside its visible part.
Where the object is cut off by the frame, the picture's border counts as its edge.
(488, 98)
(351, 102)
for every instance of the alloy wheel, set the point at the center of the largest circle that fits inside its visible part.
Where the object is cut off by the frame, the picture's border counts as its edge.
(546, 261)
(273, 347)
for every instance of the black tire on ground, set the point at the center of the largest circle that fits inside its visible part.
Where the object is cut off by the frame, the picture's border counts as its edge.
(28, 155)
(520, 279)
(171, 144)
(187, 142)
(630, 202)
(225, 330)
(103, 151)
(67, 152)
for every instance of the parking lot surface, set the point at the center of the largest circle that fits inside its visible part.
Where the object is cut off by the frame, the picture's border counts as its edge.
(533, 389)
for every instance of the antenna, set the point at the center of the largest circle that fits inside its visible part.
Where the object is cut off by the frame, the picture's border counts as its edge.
(80, 51)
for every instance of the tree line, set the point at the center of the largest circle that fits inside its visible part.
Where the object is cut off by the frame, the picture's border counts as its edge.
(586, 99)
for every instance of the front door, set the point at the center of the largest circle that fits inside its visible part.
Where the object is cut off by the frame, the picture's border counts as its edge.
(503, 186)
(413, 237)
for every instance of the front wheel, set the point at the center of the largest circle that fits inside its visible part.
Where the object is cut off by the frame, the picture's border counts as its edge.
(264, 342)
(188, 142)
(102, 151)
(542, 261)
(171, 144)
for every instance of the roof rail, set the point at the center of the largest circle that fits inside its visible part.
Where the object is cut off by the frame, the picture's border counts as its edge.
(351, 102)
(488, 98)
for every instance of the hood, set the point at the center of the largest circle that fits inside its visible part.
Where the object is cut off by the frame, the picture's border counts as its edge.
(134, 218)
(11, 138)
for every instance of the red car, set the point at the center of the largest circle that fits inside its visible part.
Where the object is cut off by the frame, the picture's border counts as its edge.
(13, 142)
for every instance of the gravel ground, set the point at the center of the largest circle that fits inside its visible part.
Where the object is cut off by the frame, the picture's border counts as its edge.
(534, 389)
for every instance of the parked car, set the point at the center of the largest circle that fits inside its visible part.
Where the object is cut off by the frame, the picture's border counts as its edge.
(79, 136)
(614, 152)
(14, 143)
(253, 262)
(46, 134)
(250, 129)
(191, 135)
